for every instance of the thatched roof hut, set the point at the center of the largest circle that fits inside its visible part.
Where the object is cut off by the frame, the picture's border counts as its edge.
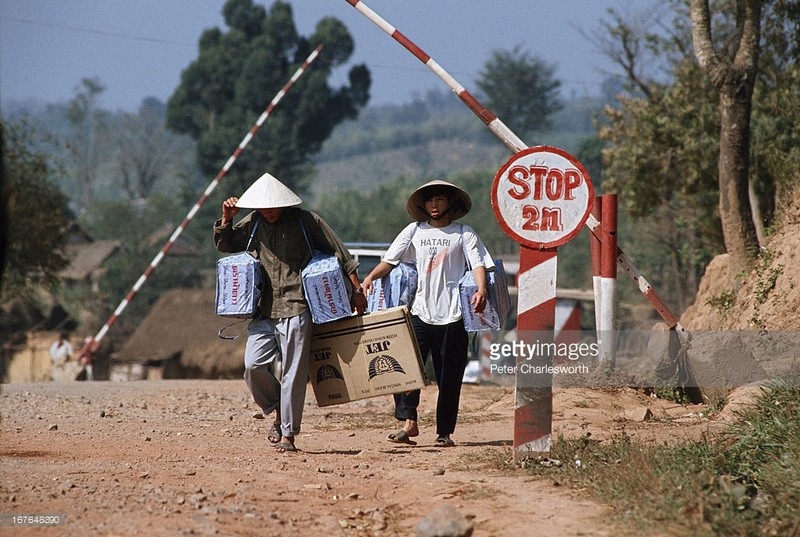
(180, 336)
(86, 260)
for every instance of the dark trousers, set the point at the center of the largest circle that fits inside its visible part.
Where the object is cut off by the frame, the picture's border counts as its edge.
(448, 346)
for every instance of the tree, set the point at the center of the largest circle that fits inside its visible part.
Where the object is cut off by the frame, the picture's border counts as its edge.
(146, 150)
(734, 76)
(236, 73)
(87, 145)
(37, 219)
(521, 90)
(663, 133)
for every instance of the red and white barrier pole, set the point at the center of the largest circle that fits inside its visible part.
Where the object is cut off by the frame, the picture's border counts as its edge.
(608, 280)
(643, 285)
(93, 344)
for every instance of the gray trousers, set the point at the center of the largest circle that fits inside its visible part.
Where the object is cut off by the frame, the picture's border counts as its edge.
(288, 340)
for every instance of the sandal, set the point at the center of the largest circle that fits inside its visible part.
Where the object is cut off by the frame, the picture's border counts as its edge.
(444, 441)
(401, 437)
(274, 434)
(285, 447)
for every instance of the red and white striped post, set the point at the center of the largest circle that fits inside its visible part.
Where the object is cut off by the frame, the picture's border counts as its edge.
(607, 339)
(536, 317)
(91, 345)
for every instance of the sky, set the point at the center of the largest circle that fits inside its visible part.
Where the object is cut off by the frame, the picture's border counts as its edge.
(138, 48)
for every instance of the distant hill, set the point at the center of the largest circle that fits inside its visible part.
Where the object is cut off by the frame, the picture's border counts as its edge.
(427, 139)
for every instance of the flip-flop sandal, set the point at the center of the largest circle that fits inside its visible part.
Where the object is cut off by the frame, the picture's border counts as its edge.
(443, 441)
(285, 447)
(274, 434)
(401, 437)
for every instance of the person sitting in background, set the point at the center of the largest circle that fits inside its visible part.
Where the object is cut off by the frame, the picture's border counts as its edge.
(61, 350)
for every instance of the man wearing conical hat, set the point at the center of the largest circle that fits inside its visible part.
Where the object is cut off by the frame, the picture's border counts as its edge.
(442, 250)
(284, 239)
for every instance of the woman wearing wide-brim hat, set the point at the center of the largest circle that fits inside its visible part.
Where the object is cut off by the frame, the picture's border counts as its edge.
(441, 250)
(285, 239)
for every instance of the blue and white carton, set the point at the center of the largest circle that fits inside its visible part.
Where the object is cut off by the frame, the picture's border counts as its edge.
(238, 286)
(498, 304)
(395, 289)
(327, 293)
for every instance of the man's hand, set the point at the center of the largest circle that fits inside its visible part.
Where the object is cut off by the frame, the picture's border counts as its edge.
(359, 302)
(229, 209)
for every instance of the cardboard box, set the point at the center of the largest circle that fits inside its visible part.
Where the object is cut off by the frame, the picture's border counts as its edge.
(395, 289)
(238, 286)
(498, 304)
(365, 356)
(327, 293)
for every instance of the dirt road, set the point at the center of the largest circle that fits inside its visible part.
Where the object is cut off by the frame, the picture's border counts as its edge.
(188, 458)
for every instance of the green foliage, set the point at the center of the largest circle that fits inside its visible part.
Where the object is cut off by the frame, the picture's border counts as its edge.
(723, 302)
(377, 216)
(689, 104)
(235, 75)
(38, 216)
(744, 482)
(766, 275)
(661, 144)
(143, 231)
(521, 90)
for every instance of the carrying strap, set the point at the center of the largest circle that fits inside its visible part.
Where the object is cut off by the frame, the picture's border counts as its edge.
(305, 235)
(234, 323)
(253, 232)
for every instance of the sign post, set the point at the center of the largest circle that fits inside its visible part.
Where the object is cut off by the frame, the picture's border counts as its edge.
(541, 197)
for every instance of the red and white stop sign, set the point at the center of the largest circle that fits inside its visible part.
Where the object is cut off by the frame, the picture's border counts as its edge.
(542, 196)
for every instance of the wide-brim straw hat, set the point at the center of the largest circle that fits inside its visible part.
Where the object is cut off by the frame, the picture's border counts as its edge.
(460, 202)
(268, 193)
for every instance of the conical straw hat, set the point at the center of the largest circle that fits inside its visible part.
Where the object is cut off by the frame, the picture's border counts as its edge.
(268, 193)
(460, 203)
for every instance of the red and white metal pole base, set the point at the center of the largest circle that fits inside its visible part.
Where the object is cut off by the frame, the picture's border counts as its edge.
(536, 313)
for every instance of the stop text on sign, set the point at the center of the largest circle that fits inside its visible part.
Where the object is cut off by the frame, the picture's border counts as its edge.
(538, 182)
(542, 196)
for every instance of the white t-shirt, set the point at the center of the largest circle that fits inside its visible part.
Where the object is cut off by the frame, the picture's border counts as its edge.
(439, 255)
